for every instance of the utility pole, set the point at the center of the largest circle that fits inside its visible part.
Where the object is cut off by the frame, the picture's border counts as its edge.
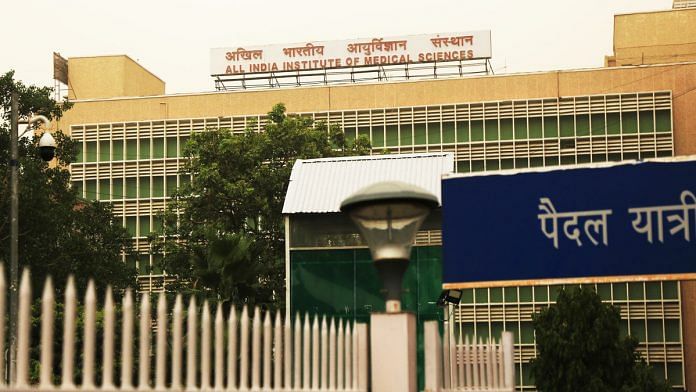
(14, 231)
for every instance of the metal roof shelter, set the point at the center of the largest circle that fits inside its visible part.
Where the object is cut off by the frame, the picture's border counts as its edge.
(320, 185)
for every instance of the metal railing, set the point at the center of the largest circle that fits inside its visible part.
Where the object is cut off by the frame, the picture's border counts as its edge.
(227, 351)
(467, 366)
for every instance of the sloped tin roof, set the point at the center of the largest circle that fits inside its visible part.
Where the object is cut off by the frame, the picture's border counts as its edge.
(320, 185)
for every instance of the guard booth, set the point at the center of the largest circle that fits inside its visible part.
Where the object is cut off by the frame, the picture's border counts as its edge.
(328, 267)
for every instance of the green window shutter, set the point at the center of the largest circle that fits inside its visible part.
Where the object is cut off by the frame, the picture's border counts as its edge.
(157, 186)
(406, 135)
(434, 133)
(158, 147)
(79, 157)
(629, 122)
(144, 148)
(172, 151)
(131, 225)
(144, 223)
(392, 135)
(378, 136)
(419, 134)
(117, 188)
(144, 187)
(582, 124)
(131, 149)
(462, 131)
(550, 127)
(171, 185)
(91, 189)
(91, 151)
(117, 153)
(567, 126)
(131, 188)
(104, 153)
(104, 191)
(663, 121)
(520, 128)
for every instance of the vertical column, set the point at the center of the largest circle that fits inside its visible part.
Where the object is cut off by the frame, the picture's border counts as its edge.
(393, 352)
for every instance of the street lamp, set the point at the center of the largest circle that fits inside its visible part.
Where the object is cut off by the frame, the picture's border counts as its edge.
(388, 215)
(47, 146)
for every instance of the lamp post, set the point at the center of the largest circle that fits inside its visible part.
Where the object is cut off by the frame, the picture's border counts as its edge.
(389, 215)
(47, 150)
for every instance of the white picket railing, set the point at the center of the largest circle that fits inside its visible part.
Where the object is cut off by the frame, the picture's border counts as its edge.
(235, 352)
(456, 365)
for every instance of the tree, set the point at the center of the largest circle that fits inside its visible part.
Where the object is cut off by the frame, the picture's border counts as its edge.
(227, 223)
(59, 233)
(580, 348)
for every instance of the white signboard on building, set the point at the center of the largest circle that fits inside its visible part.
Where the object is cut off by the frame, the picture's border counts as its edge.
(411, 49)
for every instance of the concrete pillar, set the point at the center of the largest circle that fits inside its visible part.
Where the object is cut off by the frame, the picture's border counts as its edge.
(393, 352)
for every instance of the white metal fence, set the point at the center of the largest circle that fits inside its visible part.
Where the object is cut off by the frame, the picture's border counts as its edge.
(228, 352)
(455, 365)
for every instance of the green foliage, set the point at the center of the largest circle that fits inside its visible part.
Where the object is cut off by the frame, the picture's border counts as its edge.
(228, 222)
(59, 233)
(580, 348)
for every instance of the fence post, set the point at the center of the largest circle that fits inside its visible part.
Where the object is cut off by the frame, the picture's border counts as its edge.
(509, 364)
(393, 351)
(362, 352)
(433, 356)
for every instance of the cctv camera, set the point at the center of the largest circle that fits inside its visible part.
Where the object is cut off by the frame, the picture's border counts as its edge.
(47, 147)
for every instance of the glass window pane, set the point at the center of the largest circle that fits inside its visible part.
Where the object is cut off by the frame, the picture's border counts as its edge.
(672, 333)
(541, 293)
(477, 166)
(511, 294)
(419, 133)
(462, 166)
(629, 122)
(144, 225)
(172, 149)
(79, 157)
(144, 265)
(467, 296)
(378, 136)
(520, 128)
(131, 149)
(604, 291)
(619, 291)
(496, 295)
(182, 145)
(104, 153)
(462, 131)
(91, 189)
(434, 133)
(117, 153)
(476, 130)
(582, 124)
(663, 121)
(77, 186)
(158, 147)
(448, 132)
(670, 290)
(481, 296)
(567, 125)
(638, 329)
(655, 331)
(144, 148)
(131, 225)
(653, 290)
(144, 187)
(171, 185)
(91, 151)
(613, 124)
(131, 188)
(406, 135)
(491, 127)
(635, 290)
(597, 124)
(526, 294)
(117, 188)
(392, 135)
(104, 191)
(551, 126)
(526, 332)
(646, 121)
(157, 186)
(506, 129)
(535, 128)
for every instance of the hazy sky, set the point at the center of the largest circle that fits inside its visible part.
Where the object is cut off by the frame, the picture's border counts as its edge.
(172, 38)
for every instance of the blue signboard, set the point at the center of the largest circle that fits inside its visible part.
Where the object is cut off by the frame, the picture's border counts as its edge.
(630, 219)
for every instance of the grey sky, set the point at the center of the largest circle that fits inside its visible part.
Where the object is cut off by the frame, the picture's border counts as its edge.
(172, 38)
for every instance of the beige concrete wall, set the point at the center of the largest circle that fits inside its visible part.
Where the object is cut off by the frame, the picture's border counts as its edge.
(110, 76)
(655, 37)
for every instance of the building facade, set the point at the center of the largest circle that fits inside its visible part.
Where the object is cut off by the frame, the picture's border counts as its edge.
(131, 138)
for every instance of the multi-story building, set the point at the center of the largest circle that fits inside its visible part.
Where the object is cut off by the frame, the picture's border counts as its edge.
(642, 105)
